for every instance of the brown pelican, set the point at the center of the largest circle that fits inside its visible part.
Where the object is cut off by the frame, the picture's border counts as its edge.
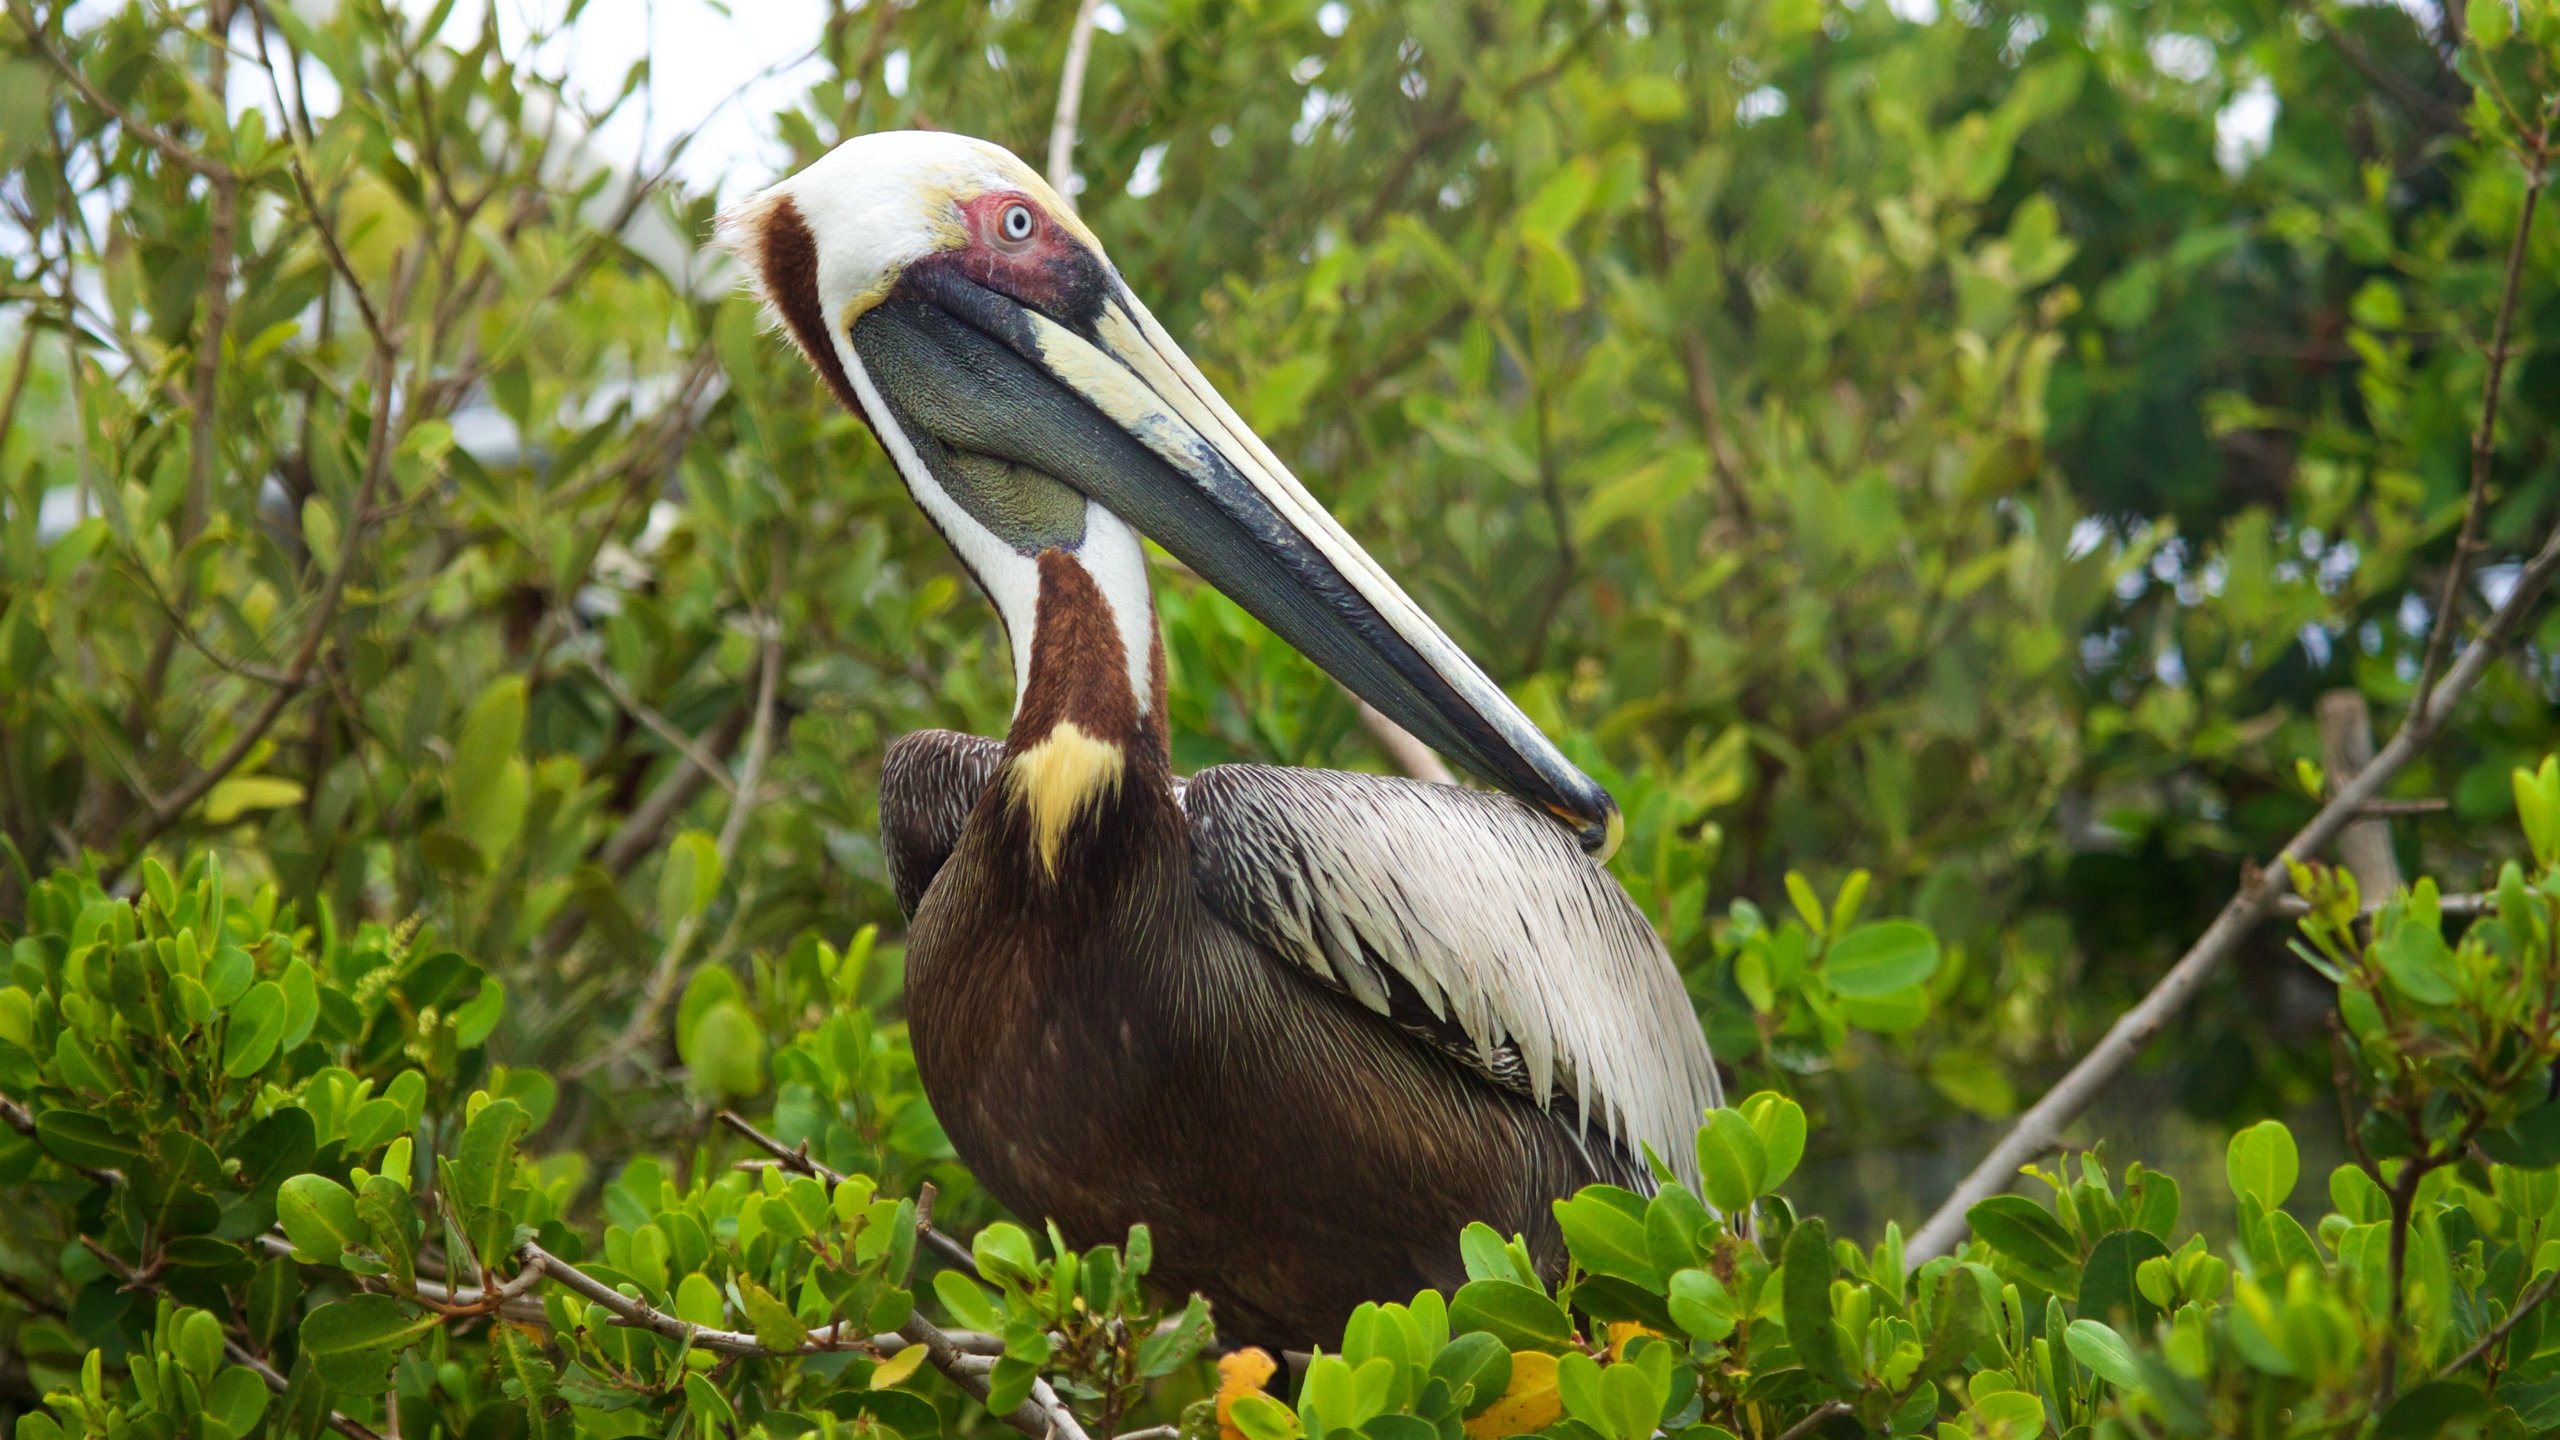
(1305, 1025)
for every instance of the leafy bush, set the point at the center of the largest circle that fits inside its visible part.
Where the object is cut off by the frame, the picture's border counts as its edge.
(252, 1154)
(446, 652)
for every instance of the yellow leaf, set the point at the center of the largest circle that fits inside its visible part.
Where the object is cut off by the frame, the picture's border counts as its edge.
(1622, 1333)
(897, 1367)
(241, 794)
(1531, 1404)
(1240, 1373)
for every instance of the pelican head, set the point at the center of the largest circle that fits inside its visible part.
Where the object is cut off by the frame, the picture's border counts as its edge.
(1032, 404)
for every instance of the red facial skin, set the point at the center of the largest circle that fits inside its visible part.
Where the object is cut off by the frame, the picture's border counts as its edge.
(1044, 271)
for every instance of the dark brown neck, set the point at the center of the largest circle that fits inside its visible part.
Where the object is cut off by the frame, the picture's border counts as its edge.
(1080, 674)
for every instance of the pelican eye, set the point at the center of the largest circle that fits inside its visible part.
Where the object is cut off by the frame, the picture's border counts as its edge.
(1015, 222)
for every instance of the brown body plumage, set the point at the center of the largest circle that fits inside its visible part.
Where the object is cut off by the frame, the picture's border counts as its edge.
(1104, 1049)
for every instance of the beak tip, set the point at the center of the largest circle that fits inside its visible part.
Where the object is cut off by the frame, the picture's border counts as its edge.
(1597, 825)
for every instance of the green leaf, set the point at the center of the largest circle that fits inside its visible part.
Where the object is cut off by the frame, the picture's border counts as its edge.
(710, 1410)
(2010, 1412)
(1701, 1305)
(240, 794)
(776, 1328)
(1879, 959)
(1487, 1255)
(1474, 1360)
(723, 1051)
(2532, 1142)
(1262, 1418)
(353, 1341)
(238, 1397)
(1004, 1252)
(2490, 22)
(1805, 1304)
(1519, 1317)
(698, 1301)
(477, 1169)
(526, 1376)
(1604, 1228)
(1808, 905)
(2104, 1352)
(2031, 1240)
(967, 1303)
(319, 1216)
(690, 878)
(1630, 1400)
(255, 1027)
(2418, 962)
(1733, 1161)
(1172, 1347)
(490, 787)
(2263, 1163)
(2430, 1410)
(76, 1137)
(2107, 1283)
(1779, 1122)
(301, 1003)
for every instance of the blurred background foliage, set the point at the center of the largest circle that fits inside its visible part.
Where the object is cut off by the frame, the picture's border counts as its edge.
(1955, 447)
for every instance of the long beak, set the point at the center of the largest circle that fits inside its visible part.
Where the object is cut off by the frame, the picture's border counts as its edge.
(1112, 407)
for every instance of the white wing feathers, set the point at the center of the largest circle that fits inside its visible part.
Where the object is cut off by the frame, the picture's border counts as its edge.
(1483, 910)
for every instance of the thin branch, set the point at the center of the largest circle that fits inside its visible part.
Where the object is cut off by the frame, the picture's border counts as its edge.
(2403, 809)
(26, 362)
(2417, 101)
(2040, 1129)
(2452, 907)
(1062, 127)
(1828, 1410)
(1042, 1417)
(795, 1160)
(2448, 616)
(221, 251)
(638, 709)
(670, 970)
(239, 1355)
(2346, 746)
(175, 151)
(17, 1117)
(315, 633)
(1409, 754)
(2538, 1292)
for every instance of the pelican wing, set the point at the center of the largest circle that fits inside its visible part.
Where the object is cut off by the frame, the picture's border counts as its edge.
(1476, 923)
(929, 782)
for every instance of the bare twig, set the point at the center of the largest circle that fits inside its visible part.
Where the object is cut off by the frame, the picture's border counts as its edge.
(670, 970)
(16, 1117)
(1409, 754)
(796, 1160)
(2448, 617)
(1062, 128)
(220, 253)
(2403, 809)
(2452, 907)
(1828, 1410)
(640, 710)
(2040, 1129)
(26, 362)
(238, 1354)
(2534, 1295)
(1042, 1417)
(315, 634)
(171, 149)
(2346, 747)
(2417, 101)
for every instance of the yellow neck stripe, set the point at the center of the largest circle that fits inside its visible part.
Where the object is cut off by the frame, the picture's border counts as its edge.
(1057, 778)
